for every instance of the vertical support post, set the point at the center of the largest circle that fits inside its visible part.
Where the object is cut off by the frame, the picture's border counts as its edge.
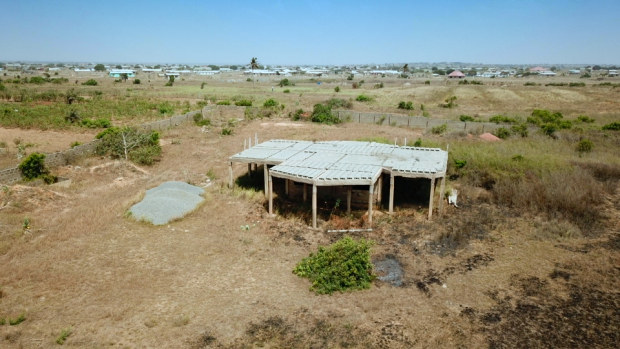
(391, 193)
(305, 192)
(430, 199)
(266, 175)
(230, 174)
(270, 195)
(349, 190)
(313, 205)
(380, 190)
(442, 188)
(370, 200)
(405, 144)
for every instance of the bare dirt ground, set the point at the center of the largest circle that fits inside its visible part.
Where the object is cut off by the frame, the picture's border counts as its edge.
(37, 141)
(204, 281)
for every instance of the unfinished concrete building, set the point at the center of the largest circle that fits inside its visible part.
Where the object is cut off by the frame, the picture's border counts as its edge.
(343, 164)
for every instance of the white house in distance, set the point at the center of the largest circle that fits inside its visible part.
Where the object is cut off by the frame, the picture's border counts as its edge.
(547, 73)
(612, 72)
(116, 73)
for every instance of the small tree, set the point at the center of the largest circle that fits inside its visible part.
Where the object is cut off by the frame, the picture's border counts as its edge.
(33, 166)
(170, 81)
(99, 67)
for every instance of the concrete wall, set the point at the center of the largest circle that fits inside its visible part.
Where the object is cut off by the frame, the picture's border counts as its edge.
(418, 122)
(13, 174)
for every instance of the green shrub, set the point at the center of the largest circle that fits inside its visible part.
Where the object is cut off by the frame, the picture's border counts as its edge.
(405, 105)
(344, 265)
(75, 144)
(243, 103)
(98, 123)
(73, 117)
(585, 119)
(614, 126)
(427, 82)
(338, 103)
(577, 84)
(439, 129)
(201, 121)
(502, 133)
(165, 108)
(337, 89)
(502, 119)
(90, 82)
(529, 83)
(129, 144)
(38, 80)
(418, 143)
(137, 81)
(363, 98)
(64, 334)
(226, 131)
(287, 91)
(226, 102)
(33, 166)
(520, 129)
(323, 114)
(466, 118)
(548, 128)
(297, 115)
(585, 146)
(270, 103)
(285, 82)
(459, 163)
(18, 320)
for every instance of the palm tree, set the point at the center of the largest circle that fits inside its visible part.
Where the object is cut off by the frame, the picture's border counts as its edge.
(253, 65)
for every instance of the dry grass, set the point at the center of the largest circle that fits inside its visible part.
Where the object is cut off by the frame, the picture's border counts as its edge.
(203, 281)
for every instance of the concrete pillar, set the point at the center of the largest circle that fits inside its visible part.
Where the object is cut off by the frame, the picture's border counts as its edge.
(430, 199)
(266, 176)
(270, 195)
(370, 200)
(379, 190)
(391, 193)
(313, 205)
(230, 174)
(442, 188)
(349, 190)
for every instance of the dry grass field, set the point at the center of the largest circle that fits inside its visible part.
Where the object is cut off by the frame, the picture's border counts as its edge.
(501, 270)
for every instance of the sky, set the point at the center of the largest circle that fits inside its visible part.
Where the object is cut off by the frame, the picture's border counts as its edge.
(312, 32)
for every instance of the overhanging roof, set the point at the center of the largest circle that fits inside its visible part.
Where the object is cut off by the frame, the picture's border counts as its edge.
(344, 162)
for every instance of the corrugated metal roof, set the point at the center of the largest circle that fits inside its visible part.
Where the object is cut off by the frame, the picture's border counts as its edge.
(343, 162)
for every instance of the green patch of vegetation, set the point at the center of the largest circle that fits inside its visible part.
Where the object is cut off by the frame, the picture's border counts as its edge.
(297, 114)
(363, 98)
(342, 266)
(33, 166)
(137, 82)
(437, 130)
(502, 133)
(18, 320)
(75, 144)
(557, 84)
(530, 83)
(466, 118)
(520, 130)
(337, 89)
(129, 144)
(224, 102)
(450, 102)
(286, 91)
(614, 126)
(548, 122)
(64, 334)
(97, 123)
(338, 103)
(243, 103)
(473, 82)
(577, 84)
(405, 105)
(270, 103)
(584, 146)
(90, 82)
(585, 119)
(227, 131)
(285, 82)
(199, 120)
(323, 114)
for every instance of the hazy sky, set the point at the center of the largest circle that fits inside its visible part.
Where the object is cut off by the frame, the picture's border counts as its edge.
(312, 32)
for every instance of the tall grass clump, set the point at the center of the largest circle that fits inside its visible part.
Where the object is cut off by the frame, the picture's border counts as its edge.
(344, 265)
(323, 114)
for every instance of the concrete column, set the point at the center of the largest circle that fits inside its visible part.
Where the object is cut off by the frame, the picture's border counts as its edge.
(270, 195)
(266, 175)
(305, 192)
(230, 174)
(313, 205)
(379, 190)
(430, 199)
(349, 190)
(391, 193)
(442, 188)
(370, 200)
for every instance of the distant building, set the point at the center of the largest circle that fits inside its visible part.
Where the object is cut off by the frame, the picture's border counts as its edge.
(116, 73)
(547, 73)
(83, 70)
(13, 66)
(457, 74)
(151, 70)
(574, 71)
(612, 72)
(538, 70)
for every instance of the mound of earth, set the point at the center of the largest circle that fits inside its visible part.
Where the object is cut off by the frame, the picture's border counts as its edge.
(168, 201)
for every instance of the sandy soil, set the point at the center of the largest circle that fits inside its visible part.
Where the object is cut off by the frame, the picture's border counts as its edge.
(203, 281)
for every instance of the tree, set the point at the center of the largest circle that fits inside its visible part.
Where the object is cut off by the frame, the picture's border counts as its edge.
(406, 68)
(124, 77)
(118, 66)
(99, 67)
(253, 65)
